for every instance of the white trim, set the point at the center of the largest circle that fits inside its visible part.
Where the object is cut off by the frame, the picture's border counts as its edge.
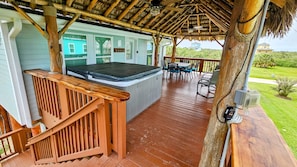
(71, 44)
(16, 75)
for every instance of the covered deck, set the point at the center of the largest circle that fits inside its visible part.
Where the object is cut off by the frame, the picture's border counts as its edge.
(168, 133)
(171, 133)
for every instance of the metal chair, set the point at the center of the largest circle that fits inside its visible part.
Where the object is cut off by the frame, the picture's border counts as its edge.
(209, 81)
(173, 69)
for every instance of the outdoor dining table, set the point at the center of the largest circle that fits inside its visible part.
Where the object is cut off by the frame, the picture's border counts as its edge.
(182, 64)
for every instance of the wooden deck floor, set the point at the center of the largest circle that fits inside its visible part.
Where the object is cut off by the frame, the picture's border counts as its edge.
(171, 131)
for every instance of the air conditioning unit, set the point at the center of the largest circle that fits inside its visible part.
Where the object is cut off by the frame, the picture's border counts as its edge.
(247, 99)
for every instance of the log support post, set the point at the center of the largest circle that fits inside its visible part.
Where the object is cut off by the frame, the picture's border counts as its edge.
(174, 40)
(50, 14)
(157, 40)
(237, 53)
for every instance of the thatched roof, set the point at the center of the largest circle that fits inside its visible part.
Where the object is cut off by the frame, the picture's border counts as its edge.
(190, 19)
(279, 20)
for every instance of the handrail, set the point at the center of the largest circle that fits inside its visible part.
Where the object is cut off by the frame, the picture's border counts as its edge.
(14, 142)
(83, 118)
(93, 89)
(256, 141)
(201, 65)
(72, 118)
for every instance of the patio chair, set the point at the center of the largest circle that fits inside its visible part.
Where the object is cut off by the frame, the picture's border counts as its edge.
(173, 69)
(209, 81)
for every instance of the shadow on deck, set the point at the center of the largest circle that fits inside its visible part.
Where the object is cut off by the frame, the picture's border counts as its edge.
(168, 133)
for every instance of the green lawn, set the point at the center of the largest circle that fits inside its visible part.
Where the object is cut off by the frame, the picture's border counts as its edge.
(283, 112)
(272, 73)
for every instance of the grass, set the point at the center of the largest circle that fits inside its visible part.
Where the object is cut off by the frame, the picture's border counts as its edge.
(283, 112)
(272, 73)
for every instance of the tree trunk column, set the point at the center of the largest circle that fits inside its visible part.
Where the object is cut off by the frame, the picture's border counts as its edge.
(156, 53)
(173, 49)
(237, 52)
(50, 14)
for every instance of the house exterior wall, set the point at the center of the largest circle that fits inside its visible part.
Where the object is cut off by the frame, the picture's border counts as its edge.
(33, 53)
(7, 94)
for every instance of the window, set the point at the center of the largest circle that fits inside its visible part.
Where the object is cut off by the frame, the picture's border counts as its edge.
(149, 53)
(103, 49)
(71, 48)
(84, 48)
(73, 54)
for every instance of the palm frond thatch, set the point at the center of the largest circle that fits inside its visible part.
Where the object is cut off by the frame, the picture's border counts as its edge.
(279, 20)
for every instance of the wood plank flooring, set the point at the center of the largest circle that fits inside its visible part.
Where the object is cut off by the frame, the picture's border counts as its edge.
(168, 133)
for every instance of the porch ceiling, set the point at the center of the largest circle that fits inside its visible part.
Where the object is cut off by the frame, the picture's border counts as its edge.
(190, 19)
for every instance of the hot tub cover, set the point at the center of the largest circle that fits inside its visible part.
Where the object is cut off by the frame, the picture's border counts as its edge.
(115, 71)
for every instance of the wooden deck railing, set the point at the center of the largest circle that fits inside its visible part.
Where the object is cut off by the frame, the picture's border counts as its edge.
(202, 65)
(89, 118)
(257, 142)
(13, 142)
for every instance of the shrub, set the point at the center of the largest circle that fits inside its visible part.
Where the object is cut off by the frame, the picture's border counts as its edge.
(285, 86)
(264, 61)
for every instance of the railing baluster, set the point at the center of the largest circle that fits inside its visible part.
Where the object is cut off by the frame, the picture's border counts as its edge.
(88, 127)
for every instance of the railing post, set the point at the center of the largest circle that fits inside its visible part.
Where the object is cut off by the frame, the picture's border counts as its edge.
(54, 147)
(201, 65)
(63, 101)
(103, 127)
(122, 129)
(33, 155)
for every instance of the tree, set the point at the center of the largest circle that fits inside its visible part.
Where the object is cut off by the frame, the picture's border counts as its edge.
(285, 86)
(264, 61)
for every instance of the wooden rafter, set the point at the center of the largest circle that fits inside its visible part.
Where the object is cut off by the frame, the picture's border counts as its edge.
(169, 20)
(162, 19)
(65, 28)
(209, 24)
(218, 22)
(33, 4)
(131, 5)
(92, 5)
(112, 6)
(144, 19)
(208, 10)
(179, 19)
(279, 3)
(181, 24)
(170, 27)
(98, 17)
(25, 15)
(153, 19)
(69, 2)
(198, 22)
(138, 13)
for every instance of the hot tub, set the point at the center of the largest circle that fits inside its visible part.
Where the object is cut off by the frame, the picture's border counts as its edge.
(142, 82)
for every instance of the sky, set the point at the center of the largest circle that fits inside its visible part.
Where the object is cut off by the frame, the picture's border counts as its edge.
(287, 43)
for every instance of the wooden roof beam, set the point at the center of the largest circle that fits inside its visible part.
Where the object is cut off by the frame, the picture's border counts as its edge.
(25, 15)
(92, 5)
(161, 20)
(198, 23)
(180, 19)
(138, 13)
(65, 28)
(217, 21)
(180, 25)
(112, 6)
(279, 3)
(217, 13)
(69, 2)
(32, 4)
(144, 19)
(167, 22)
(131, 5)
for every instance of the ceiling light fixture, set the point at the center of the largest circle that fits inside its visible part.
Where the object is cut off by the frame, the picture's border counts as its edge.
(155, 10)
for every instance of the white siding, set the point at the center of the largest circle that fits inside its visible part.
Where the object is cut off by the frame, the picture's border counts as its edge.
(7, 98)
(142, 52)
(33, 53)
